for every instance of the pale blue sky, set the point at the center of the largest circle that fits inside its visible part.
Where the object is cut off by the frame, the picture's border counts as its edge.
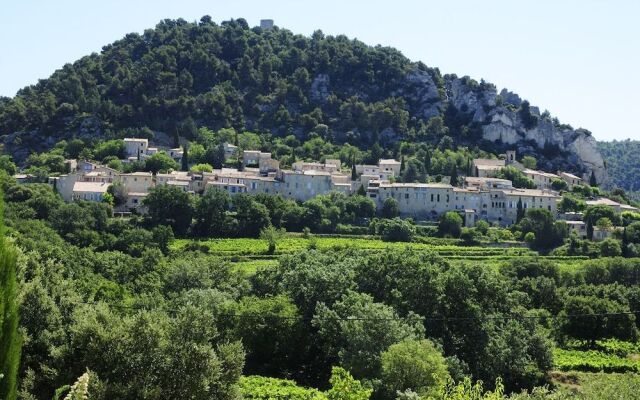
(580, 59)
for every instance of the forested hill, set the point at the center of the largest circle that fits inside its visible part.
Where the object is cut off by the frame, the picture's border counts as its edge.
(180, 75)
(623, 163)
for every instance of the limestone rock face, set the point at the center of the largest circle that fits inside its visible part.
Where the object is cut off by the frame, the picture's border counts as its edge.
(585, 147)
(420, 89)
(501, 129)
(320, 88)
(510, 98)
(472, 99)
(571, 149)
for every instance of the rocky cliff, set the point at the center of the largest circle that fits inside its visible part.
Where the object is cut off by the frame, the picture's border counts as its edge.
(501, 120)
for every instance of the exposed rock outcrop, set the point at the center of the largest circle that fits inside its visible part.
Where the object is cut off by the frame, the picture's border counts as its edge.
(501, 122)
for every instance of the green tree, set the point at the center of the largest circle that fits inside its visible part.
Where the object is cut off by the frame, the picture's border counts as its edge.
(395, 230)
(519, 210)
(516, 176)
(270, 331)
(610, 248)
(595, 323)
(482, 226)
(185, 158)
(170, 205)
(160, 162)
(547, 232)
(202, 168)
(272, 236)
(454, 175)
(529, 162)
(214, 155)
(559, 185)
(7, 165)
(153, 354)
(390, 208)
(570, 203)
(357, 330)
(210, 212)
(415, 365)
(10, 339)
(344, 387)
(594, 213)
(450, 224)
(252, 216)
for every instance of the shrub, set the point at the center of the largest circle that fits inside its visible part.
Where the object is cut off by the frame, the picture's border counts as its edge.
(397, 230)
(450, 224)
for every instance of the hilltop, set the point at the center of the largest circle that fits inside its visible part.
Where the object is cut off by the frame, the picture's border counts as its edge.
(180, 76)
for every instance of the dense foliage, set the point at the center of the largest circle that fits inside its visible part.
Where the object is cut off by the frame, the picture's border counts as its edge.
(299, 95)
(150, 318)
(623, 164)
(10, 340)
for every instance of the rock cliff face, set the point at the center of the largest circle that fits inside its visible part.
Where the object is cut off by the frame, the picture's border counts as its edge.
(501, 122)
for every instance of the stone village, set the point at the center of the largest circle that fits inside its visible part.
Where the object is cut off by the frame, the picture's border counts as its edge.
(481, 197)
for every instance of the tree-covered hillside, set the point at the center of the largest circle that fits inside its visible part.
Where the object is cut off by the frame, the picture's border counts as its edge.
(181, 75)
(623, 163)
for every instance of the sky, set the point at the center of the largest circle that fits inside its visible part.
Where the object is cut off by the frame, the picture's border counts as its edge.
(579, 59)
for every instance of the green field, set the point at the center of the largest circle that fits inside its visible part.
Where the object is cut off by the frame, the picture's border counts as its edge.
(256, 247)
(248, 255)
(605, 356)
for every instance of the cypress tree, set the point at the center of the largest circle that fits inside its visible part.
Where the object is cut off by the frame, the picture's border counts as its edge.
(402, 164)
(427, 162)
(520, 211)
(354, 175)
(454, 175)
(592, 179)
(185, 158)
(10, 341)
(176, 138)
(362, 191)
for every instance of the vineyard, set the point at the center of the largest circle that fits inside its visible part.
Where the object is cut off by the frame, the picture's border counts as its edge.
(250, 254)
(606, 356)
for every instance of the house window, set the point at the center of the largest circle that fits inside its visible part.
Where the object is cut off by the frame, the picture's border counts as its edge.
(438, 197)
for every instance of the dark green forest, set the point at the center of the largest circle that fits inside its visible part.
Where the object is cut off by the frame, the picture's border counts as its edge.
(181, 76)
(623, 163)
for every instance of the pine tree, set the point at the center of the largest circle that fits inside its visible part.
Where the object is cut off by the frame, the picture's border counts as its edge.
(454, 175)
(592, 179)
(185, 158)
(10, 341)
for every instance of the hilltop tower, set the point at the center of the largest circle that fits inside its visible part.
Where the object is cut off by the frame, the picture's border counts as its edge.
(266, 24)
